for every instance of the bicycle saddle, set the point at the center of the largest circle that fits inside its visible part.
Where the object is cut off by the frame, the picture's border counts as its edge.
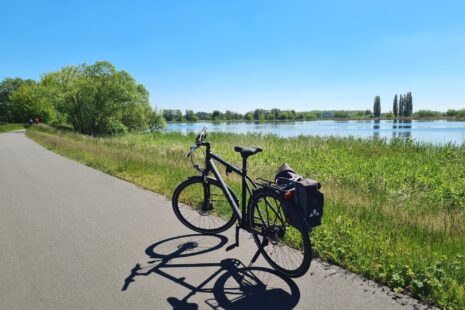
(247, 151)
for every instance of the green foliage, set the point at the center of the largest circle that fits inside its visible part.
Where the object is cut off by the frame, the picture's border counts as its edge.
(405, 105)
(7, 109)
(456, 113)
(427, 113)
(395, 106)
(401, 106)
(408, 110)
(98, 99)
(190, 116)
(10, 127)
(216, 115)
(95, 99)
(29, 101)
(377, 107)
(395, 210)
(263, 115)
(156, 120)
(173, 115)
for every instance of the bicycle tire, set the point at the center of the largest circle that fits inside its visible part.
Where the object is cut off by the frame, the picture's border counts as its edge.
(191, 204)
(271, 201)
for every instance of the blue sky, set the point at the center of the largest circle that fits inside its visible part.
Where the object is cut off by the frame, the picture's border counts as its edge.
(242, 55)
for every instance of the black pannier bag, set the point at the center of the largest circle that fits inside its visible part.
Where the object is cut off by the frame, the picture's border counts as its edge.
(310, 200)
(307, 196)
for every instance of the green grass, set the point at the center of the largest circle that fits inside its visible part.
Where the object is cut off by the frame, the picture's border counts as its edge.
(394, 211)
(10, 127)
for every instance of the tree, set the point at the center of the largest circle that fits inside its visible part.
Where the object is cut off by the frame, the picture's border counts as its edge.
(377, 107)
(427, 113)
(291, 115)
(203, 115)
(7, 87)
(156, 120)
(401, 106)
(190, 116)
(29, 102)
(275, 113)
(283, 115)
(405, 105)
(97, 99)
(249, 116)
(395, 106)
(216, 115)
(172, 115)
(270, 117)
(409, 103)
(259, 114)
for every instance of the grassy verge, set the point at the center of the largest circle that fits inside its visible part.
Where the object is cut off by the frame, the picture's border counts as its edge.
(395, 211)
(10, 127)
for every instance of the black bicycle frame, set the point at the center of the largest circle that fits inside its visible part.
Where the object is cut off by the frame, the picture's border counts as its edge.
(210, 166)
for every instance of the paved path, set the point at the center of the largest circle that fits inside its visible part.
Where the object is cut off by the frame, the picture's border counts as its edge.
(72, 237)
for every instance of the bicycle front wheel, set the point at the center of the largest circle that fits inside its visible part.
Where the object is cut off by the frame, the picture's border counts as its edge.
(286, 248)
(203, 206)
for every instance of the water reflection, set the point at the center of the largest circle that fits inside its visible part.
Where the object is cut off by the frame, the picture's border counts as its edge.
(402, 129)
(376, 128)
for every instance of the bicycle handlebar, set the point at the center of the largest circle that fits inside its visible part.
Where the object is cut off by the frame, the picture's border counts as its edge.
(202, 135)
(198, 140)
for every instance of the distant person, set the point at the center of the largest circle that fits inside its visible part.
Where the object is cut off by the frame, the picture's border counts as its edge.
(37, 120)
(30, 121)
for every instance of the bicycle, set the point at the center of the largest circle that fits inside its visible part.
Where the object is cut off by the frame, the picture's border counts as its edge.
(200, 201)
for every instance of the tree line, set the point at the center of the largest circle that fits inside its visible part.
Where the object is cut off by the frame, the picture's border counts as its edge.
(177, 115)
(90, 99)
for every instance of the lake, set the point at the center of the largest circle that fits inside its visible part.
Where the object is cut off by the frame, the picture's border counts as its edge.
(436, 132)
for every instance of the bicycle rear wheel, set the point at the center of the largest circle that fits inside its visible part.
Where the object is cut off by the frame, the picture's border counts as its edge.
(285, 247)
(203, 207)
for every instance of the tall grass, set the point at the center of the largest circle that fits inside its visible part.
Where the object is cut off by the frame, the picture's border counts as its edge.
(395, 210)
(10, 127)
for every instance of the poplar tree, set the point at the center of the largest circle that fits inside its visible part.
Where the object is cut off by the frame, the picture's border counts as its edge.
(377, 107)
(401, 106)
(395, 106)
(409, 104)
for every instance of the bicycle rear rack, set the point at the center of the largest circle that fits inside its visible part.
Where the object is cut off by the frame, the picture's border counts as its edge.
(273, 185)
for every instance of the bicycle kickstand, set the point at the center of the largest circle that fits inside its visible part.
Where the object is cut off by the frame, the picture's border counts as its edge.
(236, 244)
(257, 254)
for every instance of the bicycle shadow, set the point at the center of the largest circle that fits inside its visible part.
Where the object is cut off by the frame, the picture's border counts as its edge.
(232, 286)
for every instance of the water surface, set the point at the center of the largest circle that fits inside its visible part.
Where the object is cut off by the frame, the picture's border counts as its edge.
(436, 132)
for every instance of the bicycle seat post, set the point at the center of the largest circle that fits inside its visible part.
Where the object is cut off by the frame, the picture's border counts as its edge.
(244, 191)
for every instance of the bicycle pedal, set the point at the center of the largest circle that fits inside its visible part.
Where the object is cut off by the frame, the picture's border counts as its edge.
(232, 246)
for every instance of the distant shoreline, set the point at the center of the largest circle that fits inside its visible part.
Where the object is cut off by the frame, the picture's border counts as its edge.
(457, 119)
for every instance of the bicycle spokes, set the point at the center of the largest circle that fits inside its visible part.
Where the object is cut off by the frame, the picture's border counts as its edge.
(274, 234)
